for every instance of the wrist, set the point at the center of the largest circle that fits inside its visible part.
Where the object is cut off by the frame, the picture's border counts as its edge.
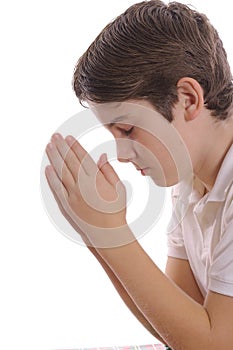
(109, 238)
(127, 247)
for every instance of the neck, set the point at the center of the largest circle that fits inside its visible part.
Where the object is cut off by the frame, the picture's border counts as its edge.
(219, 143)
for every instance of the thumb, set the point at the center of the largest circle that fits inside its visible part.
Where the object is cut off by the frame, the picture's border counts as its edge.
(107, 170)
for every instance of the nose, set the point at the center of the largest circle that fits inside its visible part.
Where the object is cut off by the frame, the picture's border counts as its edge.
(125, 150)
(122, 160)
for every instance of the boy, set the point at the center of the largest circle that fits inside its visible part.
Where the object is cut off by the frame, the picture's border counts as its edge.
(158, 78)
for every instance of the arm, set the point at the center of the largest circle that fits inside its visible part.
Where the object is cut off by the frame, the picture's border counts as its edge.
(125, 296)
(179, 271)
(116, 282)
(182, 322)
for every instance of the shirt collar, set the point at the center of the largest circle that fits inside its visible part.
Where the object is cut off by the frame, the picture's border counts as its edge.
(192, 191)
(224, 179)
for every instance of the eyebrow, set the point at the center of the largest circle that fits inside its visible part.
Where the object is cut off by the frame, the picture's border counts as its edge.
(116, 120)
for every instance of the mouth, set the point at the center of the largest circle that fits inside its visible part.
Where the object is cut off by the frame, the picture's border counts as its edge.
(143, 171)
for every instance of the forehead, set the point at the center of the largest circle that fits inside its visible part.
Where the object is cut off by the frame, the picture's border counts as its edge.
(139, 112)
(143, 115)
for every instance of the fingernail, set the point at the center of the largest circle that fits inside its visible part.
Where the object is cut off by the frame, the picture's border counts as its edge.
(49, 146)
(70, 140)
(104, 158)
(56, 136)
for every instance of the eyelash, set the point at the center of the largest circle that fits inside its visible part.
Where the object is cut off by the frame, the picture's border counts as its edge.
(128, 132)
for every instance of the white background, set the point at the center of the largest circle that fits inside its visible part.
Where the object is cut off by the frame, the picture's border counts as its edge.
(53, 294)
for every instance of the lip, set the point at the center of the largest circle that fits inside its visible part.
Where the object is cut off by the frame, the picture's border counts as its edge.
(143, 171)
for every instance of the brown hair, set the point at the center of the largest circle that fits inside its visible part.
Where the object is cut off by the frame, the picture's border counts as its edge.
(145, 51)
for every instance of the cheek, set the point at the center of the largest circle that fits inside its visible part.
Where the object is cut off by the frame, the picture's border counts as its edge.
(168, 158)
(159, 156)
(154, 148)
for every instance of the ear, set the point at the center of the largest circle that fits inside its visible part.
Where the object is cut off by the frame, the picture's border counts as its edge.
(190, 94)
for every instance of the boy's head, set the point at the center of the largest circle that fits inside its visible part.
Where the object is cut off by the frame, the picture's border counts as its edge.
(143, 54)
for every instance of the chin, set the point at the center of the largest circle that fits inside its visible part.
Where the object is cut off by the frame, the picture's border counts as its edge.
(164, 182)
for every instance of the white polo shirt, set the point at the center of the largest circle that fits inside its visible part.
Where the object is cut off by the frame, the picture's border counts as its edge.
(201, 230)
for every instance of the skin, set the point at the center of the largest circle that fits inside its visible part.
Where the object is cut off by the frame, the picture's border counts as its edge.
(150, 142)
(170, 305)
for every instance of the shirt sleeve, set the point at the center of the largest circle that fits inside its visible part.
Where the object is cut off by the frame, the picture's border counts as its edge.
(221, 270)
(175, 240)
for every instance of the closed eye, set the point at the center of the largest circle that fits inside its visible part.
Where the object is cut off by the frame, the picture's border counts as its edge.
(128, 132)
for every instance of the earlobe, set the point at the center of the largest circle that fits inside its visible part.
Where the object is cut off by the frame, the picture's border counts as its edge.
(191, 94)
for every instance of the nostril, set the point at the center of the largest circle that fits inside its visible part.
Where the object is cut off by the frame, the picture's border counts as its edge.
(122, 160)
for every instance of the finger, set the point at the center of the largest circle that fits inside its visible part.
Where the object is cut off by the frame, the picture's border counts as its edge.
(85, 159)
(57, 188)
(107, 170)
(58, 199)
(61, 200)
(67, 154)
(61, 196)
(59, 166)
